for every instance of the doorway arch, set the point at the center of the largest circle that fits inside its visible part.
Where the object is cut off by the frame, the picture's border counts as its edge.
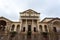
(2, 25)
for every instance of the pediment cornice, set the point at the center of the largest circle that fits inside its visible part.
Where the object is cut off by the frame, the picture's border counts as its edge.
(29, 11)
(5, 19)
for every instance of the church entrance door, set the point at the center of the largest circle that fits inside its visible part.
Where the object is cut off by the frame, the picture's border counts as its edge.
(29, 30)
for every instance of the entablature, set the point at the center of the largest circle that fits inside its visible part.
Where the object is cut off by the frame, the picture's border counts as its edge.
(32, 14)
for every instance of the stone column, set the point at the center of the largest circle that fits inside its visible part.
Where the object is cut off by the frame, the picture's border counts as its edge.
(37, 28)
(21, 26)
(32, 27)
(26, 26)
(15, 27)
(43, 28)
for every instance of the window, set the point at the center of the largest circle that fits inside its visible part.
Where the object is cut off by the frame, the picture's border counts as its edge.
(54, 29)
(23, 29)
(34, 29)
(13, 26)
(45, 26)
(18, 27)
(40, 27)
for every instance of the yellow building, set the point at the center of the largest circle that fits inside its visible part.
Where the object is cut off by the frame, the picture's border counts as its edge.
(29, 23)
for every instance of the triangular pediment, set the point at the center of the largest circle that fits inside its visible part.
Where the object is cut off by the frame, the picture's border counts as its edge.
(55, 19)
(29, 11)
(49, 19)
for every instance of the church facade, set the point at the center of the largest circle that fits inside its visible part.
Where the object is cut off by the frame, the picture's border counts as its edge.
(29, 23)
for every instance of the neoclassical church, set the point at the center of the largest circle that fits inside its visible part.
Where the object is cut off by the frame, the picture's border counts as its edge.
(30, 24)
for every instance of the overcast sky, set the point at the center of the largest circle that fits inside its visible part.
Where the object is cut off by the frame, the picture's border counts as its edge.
(11, 8)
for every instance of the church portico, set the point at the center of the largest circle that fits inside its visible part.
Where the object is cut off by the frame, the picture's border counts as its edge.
(29, 25)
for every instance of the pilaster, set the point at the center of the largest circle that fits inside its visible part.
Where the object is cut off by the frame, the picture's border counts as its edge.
(43, 28)
(15, 28)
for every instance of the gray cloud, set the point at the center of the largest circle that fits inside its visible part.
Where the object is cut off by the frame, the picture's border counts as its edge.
(11, 8)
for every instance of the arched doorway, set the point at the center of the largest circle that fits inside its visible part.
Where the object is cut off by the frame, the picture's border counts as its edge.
(13, 26)
(2, 25)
